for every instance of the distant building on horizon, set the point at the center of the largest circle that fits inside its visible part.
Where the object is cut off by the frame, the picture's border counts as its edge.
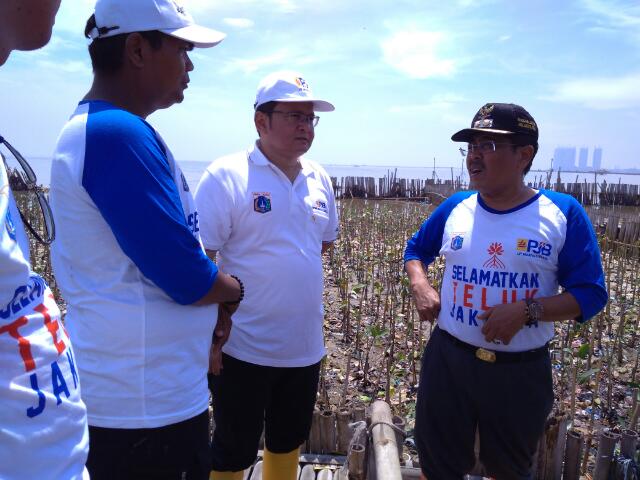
(564, 158)
(582, 158)
(597, 158)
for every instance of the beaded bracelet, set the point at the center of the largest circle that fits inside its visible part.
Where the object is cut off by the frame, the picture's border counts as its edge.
(241, 292)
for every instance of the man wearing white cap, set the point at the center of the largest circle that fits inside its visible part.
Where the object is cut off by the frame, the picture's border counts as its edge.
(270, 213)
(128, 258)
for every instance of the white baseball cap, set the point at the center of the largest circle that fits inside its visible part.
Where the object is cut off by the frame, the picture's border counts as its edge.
(288, 87)
(114, 17)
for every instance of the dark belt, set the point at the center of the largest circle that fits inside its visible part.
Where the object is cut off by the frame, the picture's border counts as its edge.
(493, 356)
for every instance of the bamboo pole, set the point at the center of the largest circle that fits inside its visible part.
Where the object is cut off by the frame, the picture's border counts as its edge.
(411, 473)
(573, 455)
(635, 408)
(356, 462)
(387, 464)
(327, 432)
(344, 432)
(325, 474)
(315, 438)
(399, 422)
(359, 413)
(551, 448)
(308, 473)
(629, 443)
(606, 444)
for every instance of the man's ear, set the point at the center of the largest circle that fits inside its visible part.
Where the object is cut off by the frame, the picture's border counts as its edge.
(135, 50)
(526, 155)
(260, 119)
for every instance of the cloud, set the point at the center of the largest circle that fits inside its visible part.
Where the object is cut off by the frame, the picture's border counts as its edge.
(416, 54)
(70, 66)
(198, 7)
(239, 22)
(504, 38)
(251, 65)
(613, 16)
(615, 12)
(444, 102)
(602, 93)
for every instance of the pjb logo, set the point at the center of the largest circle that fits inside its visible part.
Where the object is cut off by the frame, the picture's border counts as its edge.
(533, 246)
(320, 205)
(262, 202)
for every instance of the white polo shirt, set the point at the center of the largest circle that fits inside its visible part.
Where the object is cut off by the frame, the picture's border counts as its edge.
(269, 232)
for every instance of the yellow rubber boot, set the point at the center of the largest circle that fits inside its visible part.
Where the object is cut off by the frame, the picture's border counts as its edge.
(226, 475)
(280, 466)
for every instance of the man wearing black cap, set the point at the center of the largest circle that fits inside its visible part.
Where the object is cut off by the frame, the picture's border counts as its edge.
(508, 248)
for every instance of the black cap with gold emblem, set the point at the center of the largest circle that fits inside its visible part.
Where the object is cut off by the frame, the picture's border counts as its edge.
(502, 119)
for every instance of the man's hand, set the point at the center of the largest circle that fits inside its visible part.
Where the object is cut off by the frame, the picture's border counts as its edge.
(424, 295)
(503, 321)
(220, 336)
(427, 301)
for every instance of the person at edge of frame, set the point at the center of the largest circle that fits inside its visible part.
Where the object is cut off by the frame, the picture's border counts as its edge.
(270, 210)
(516, 261)
(129, 260)
(43, 420)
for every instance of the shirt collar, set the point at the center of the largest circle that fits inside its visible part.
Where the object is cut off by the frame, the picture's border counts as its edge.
(258, 158)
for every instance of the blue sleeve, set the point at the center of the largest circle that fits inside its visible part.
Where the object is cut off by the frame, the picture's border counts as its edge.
(579, 263)
(426, 243)
(127, 175)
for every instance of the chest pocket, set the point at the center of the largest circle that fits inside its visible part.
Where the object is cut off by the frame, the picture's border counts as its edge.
(317, 206)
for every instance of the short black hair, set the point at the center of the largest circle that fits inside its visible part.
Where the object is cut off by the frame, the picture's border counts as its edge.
(267, 108)
(107, 54)
(523, 141)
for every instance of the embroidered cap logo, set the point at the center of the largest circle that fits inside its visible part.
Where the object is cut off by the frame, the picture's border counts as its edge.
(179, 8)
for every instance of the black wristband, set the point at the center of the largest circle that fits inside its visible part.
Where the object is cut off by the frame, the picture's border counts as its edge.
(241, 292)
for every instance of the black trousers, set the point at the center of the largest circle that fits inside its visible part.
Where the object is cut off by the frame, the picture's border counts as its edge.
(246, 397)
(175, 452)
(507, 402)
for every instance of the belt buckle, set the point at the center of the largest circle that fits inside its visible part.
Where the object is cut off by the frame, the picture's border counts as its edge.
(486, 355)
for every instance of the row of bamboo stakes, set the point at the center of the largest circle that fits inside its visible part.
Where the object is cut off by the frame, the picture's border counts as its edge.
(618, 223)
(350, 444)
(389, 186)
(367, 444)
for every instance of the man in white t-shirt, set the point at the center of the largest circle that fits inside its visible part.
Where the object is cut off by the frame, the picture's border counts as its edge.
(43, 421)
(269, 213)
(128, 258)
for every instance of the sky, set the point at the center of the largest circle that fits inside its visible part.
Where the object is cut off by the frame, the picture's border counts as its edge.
(404, 75)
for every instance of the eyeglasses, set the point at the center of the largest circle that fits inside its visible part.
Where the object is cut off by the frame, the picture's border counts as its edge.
(295, 118)
(482, 147)
(24, 179)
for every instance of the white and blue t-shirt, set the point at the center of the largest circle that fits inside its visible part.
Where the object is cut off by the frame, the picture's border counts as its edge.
(495, 257)
(43, 421)
(130, 264)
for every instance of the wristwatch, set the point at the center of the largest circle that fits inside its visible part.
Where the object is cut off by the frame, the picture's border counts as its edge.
(533, 310)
